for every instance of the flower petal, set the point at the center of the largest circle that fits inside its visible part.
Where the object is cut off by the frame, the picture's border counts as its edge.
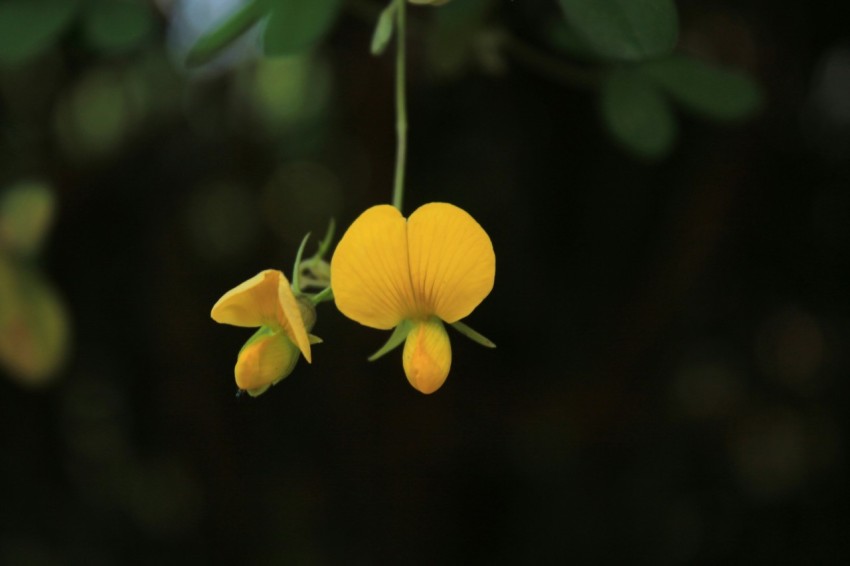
(265, 300)
(452, 262)
(427, 356)
(264, 360)
(370, 274)
(290, 319)
(252, 303)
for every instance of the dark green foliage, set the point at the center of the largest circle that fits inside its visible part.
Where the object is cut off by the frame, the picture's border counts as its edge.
(28, 27)
(710, 91)
(295, 26)
(637, 114)
(624, 30)
(112, 25)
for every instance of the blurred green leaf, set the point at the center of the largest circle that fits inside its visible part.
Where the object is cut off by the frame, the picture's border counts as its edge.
(384, 29)
(712, 92)
(30, 26)
(637, 114)
(453, 33)
(116, 25)
(8, 289)
(94, 117)
(565, 39)
(625, 30)
(34, 329)
(295, 26)
(26, 213)
(214, 41)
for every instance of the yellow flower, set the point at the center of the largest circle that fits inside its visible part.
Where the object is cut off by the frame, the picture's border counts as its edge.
(413, 275)
(266, 301)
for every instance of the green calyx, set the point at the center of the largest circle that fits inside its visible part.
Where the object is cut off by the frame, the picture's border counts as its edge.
(401, 331)
(473, 335)
(314, 272)
(398, 336)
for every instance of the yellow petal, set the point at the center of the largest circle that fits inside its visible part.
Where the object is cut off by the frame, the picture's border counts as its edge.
(264, 300)
(452, 263)
(265, 360)
(289, 318)
(370, 275)
(427, 356)
(252, 303)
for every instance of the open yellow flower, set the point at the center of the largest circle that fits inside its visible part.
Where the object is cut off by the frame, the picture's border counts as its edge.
(412, 275)
(266, 301)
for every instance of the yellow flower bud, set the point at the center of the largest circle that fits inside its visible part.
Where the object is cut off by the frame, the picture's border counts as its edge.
(427, 356)
(264, 360)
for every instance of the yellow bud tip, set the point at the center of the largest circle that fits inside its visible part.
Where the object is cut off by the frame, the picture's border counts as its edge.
(427, 356)
(264, 361)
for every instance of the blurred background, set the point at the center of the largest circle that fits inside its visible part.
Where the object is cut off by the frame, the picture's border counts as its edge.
(671, 378)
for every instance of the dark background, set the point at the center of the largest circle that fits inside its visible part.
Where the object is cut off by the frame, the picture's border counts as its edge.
(670, 383)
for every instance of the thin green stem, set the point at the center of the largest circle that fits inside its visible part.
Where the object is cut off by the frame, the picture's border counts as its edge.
(326, 294)
(400, 105)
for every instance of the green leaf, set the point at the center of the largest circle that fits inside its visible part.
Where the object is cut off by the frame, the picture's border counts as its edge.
(637, 114)
(473, 335)
(396, 338)
(709, 91)
(624, 30)
(26, 213)
(117, 25)
(384, 29)
(295, 26)
(565, 39)
(28, 27)
(454, 35)
(217, 39)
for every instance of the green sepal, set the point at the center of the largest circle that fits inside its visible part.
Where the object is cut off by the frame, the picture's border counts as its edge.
(325, 243)
(473, 335)
(216, 40)
(296, 269)
(384, 29)
(314, 339)
(396, 338)
(315, 271)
